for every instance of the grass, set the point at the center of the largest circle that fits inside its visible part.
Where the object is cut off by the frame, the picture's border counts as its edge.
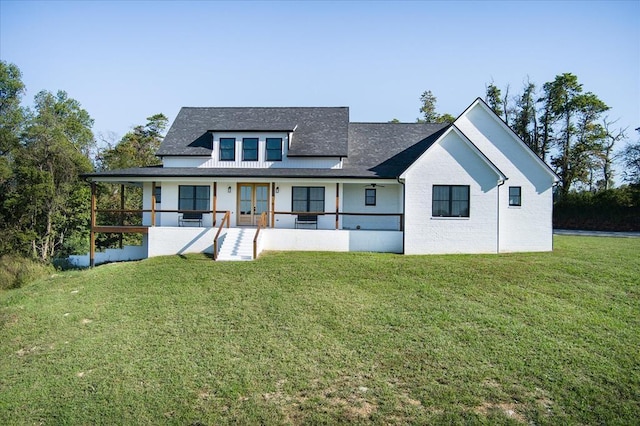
(326, 338)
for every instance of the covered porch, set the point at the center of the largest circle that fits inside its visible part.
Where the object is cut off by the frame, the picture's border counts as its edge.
(180, 216)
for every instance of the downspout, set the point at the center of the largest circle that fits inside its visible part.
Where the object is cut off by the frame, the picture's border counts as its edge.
(404, 210)
(500, 183)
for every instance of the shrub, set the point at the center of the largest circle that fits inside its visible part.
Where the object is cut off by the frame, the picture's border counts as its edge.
(16, 271)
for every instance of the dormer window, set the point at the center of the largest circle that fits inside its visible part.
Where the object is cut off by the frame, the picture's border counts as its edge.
(227, 149)
(274, 149)
(250, 149)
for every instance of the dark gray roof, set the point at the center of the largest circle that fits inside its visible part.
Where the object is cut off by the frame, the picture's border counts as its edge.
(376, 150)
(387, 149)
(319, 131)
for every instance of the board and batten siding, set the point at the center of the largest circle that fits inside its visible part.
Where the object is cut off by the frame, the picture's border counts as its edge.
(527, 227)
(451, 161)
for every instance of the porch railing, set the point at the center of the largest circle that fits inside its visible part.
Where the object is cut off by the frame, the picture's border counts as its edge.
(226, 219)
(337, 215)
(262, 223)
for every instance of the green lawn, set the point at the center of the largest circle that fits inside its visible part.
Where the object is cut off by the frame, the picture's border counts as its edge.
(325, 338)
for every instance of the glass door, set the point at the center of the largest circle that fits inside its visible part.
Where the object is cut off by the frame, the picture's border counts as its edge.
(253, 200)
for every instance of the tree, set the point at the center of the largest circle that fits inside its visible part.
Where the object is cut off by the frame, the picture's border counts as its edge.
(576, 113)
(493, 99)
(11, 115)
(50, 202)
(137, 148)
(631, 159)
(428, 110)
(525, 122)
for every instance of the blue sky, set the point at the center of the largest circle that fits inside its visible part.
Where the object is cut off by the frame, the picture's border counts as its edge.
(124, 61)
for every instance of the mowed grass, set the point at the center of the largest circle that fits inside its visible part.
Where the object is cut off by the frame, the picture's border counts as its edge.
(327, 338)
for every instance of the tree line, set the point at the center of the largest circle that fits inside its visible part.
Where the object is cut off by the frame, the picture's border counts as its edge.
(44, 150)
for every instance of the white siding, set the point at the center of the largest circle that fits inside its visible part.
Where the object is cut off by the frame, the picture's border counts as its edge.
(451, 162)
(388, 200)
(525, 228)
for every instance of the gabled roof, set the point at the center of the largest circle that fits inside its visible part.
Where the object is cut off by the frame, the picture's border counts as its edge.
(317, 131)
(387, 149)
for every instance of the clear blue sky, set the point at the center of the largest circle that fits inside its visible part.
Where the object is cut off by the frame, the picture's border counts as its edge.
(125, 61)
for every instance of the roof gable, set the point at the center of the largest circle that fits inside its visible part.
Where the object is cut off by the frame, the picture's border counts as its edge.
(482, 105)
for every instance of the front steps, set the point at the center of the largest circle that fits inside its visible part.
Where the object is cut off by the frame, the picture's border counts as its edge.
(237, 244)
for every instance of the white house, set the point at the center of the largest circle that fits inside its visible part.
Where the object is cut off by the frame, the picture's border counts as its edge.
(236, 181)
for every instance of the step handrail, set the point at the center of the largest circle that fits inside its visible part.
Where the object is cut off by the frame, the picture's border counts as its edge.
(227, 219)
(262, 223)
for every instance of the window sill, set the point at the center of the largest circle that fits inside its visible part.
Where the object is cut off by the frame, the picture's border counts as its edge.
(449, 218)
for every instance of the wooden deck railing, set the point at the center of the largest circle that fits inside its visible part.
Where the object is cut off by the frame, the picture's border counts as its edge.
(262, 223)
(226, 219)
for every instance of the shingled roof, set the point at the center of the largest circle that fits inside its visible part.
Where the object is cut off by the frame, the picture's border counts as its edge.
(317, 131)
(370, 150)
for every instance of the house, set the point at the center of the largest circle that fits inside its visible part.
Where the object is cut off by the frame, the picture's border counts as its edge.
(236, 181)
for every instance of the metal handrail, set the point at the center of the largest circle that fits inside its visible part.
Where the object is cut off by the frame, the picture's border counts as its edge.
(262, 223)
(226, 218)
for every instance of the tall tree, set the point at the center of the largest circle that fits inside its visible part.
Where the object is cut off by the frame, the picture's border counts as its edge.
(428, 110)
(11, 114)
(631, 159)
(576, 114)
(137, 148)
(51, 199)
(525, 122)
(494, 99)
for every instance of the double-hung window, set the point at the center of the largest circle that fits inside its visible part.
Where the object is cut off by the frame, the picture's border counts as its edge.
(370, 197)
(307, 199)
(515, 196)
(193, 197)
(227, 149)
(450, 201)
(250, 149)
(274, 149)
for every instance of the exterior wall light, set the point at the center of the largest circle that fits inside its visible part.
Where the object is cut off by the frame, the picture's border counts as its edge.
(229, 189)
(277, 189)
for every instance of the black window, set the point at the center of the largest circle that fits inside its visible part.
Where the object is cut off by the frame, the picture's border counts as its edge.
(250, 149)
(227, 149)
(370, 197)
(158, 194)
(193, 197)
(515, 196)
(307, 199)
(450, 200)
(274, 149)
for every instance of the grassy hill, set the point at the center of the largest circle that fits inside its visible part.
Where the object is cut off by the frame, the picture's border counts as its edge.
(294, 338)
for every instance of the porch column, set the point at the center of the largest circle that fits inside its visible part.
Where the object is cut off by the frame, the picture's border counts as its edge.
(214, 202)
(337, 205)
(120, 236)
(273, 204)
(153, 203)
(92, 243)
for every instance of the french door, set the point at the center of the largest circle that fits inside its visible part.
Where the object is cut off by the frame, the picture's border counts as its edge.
(253, 200)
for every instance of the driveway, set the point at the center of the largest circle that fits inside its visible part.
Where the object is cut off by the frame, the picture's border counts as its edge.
(596, 233)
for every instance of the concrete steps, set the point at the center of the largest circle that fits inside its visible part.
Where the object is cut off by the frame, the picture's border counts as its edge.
(237, 245)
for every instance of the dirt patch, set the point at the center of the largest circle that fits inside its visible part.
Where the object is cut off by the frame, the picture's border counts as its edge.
(508, 408)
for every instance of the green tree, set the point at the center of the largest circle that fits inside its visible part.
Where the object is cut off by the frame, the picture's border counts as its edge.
(11, 115)
(493, 99)
(137, 148)
(576, 114)
(428, 110)
(50, 203)
(525, 122)
(631, 159)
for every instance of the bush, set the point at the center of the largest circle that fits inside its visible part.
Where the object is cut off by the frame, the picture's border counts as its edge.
(16, 271)
(611, 210)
